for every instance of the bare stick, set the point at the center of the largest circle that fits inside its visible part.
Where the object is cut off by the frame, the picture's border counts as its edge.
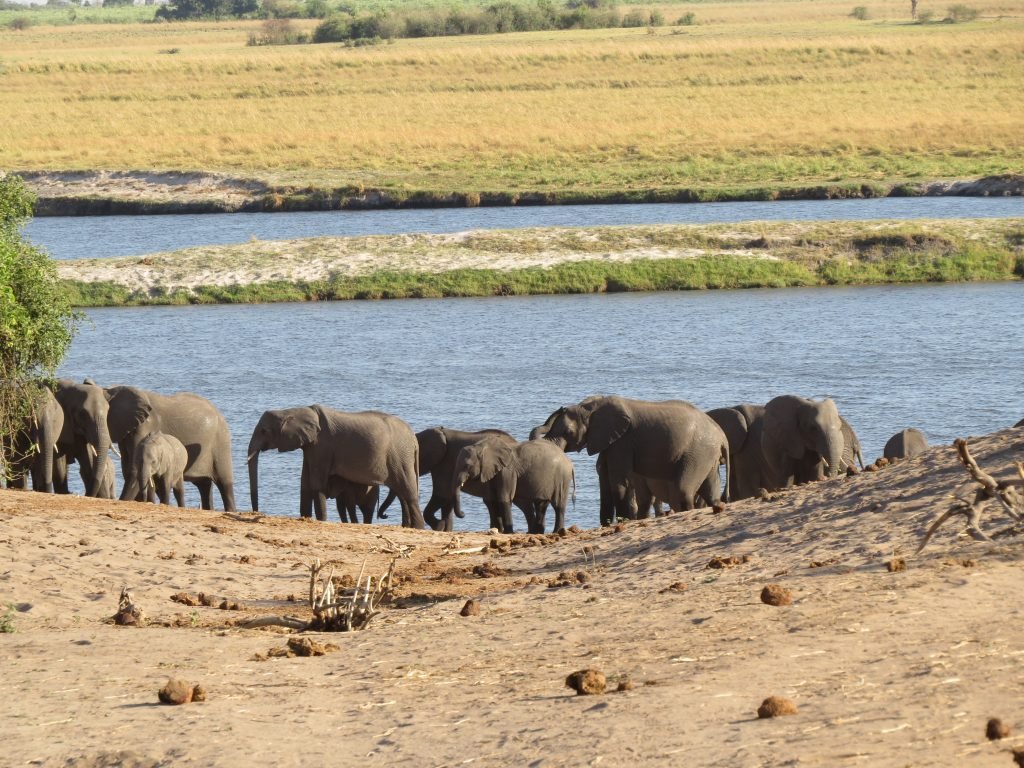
(275, 621)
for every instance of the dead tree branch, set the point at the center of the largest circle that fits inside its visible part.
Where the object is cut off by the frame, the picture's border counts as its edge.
(973, 496)
(331, 612)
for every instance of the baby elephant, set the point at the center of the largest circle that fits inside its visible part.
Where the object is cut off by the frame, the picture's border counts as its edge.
(530, 475)
(159, 463)
(905, 444)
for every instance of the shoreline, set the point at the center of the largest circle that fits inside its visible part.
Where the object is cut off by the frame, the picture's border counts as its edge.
(558, 260)
(109, 193)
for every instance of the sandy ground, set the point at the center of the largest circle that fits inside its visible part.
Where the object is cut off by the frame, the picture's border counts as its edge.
(886, 668)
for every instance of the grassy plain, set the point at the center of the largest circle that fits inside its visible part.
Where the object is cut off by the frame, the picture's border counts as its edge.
(756, 94)
(554, 261)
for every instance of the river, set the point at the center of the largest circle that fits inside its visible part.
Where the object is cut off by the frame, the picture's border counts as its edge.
(944, 358)
(67, 237)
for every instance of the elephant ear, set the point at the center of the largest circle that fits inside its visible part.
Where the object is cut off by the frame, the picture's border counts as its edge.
(494, 455)
(735, 426)
(433, 445)
(608, 422)
(129, 408)
(299, 427)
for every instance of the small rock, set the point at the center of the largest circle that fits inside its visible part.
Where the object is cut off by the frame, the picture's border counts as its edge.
(587, 682)
(896, 564)
(776, 706)
(774, 594)
(175, 692)
(471, 608)
(996, 729)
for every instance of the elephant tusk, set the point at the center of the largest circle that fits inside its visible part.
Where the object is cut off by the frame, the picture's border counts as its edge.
(250, 456)
(115, 451)
(825, 462)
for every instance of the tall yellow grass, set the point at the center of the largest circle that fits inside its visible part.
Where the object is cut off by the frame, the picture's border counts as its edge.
(757, 92)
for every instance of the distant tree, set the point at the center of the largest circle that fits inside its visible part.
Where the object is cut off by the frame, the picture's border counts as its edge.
(179, 10)
(114, 3)
(36, 319)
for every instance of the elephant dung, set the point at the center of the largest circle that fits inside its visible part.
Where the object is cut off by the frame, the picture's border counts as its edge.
(773, 594)
(305, 646)
(996, 729)
(471, 608)
(587, 682)
(177, 692)
(776, 706)
(896, 564)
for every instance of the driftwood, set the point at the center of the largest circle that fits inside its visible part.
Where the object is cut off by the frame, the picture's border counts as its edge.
(974, 495)
(332, 612)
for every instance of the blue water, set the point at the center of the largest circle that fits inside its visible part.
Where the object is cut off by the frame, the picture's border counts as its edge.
(105, 236)
(937, 357)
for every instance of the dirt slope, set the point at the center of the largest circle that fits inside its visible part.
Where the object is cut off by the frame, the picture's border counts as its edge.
(887, 668)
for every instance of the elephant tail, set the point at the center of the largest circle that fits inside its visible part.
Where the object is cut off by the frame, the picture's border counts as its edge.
(383, 507)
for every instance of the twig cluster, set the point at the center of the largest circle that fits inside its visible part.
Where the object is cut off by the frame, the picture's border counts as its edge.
(974, 495)
(333, 612)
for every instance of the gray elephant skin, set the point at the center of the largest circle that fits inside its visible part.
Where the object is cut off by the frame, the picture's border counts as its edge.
(439, 449)
(85, 438)
(672, 444)
(135, 413)
(367, 448)
(531, 475)
(905, 444)
(742, 425)
(802, 440)
(159, 468)
(352, 498)
(33, 451)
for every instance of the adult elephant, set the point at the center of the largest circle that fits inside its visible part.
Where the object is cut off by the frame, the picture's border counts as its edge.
(905, 444)
(672, 444)
(33, 450)
(530, 475)
(742, 425)
(439, 448)
(366, 448)
(135, 413)
(86, 437)
(802, 440)
(851, 448)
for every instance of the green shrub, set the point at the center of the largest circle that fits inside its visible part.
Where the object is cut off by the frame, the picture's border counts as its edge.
(19, 23)
(333, 29)
(687, 20)
(924, 17)
(962, 13)
(860, 13)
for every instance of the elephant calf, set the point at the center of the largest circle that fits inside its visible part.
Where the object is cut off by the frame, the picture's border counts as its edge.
(905, 444)
(530, 475)
(159, 464)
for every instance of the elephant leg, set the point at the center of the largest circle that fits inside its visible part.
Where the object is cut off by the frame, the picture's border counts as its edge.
(529, 510)
(227, 494)
(682, 493)
(205, 486)
(411, 515)
(607, 508)
(448, 517)
(504, 508)
(320, 505)
(620, 488)
(60, 475)
(559, 507)
(540, 511)
(494, 514)
(711, 488)
(430, 513)
(179, 492)
(342, 510)
(163, 489)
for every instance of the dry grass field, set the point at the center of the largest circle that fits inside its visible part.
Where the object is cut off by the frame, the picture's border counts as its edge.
(755, 93)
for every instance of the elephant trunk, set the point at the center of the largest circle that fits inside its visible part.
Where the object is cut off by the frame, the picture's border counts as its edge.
(254, 471)
(831, 451)
(102, 441)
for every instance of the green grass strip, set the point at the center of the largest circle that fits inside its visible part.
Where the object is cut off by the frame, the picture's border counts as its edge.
(714, 272)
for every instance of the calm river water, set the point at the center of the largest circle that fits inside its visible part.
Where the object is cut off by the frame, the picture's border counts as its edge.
(944, 358)
(104, 236)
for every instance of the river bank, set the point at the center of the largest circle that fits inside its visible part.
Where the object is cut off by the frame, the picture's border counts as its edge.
(886, 653)
(558, 260)
(105, 193)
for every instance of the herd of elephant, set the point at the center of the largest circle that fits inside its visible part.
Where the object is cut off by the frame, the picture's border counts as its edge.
(648, 454)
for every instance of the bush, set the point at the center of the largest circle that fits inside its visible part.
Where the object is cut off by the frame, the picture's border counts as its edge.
(20, 23)
(923, 17)
(36, 320)
(687, 20)
(962, 13)
(277, 32)
(860, 13)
